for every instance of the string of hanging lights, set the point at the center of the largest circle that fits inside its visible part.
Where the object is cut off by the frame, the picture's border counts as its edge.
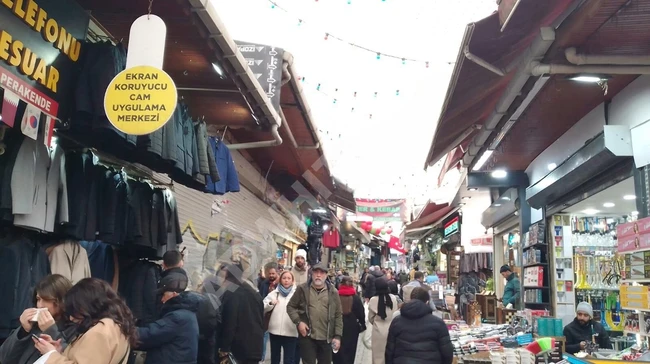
(378, 54)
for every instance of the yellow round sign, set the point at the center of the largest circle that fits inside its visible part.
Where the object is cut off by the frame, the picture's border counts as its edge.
(140, 100)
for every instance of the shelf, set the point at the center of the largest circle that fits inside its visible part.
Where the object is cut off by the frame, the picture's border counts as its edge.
(533, 287)
(642, 280)
(535, 245)
(535, 265)
(635, 309)
(537, 303)
(597, 289)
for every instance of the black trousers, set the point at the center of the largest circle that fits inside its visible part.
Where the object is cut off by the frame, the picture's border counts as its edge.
(315, 351)
(283, 343)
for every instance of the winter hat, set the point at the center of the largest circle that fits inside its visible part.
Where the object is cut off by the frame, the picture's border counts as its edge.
(505, 268)
(301, 253)
(585, 307)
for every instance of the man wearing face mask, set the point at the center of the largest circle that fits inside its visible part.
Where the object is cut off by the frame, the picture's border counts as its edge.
(174, 338)
(315, 309)
(584, 329)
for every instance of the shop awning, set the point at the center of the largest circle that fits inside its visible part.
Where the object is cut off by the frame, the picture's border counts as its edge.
(431, 215)
(474, 90)
(196, 41)
(606, 150)
(300, 157)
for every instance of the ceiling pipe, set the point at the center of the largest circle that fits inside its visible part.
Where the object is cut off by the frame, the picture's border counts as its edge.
(562, 69)
(277, 140)
(531, 56)
(481, 62)
(579, 59)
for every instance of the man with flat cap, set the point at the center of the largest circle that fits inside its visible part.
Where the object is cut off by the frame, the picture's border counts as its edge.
(315, 309)
(512, 291)
(174, 338)
(584, 329)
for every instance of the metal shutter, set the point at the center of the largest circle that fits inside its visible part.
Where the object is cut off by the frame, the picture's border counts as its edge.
(242, 212)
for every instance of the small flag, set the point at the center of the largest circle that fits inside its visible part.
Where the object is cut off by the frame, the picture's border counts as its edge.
(49, 130)
(9, 107)
(29, 124)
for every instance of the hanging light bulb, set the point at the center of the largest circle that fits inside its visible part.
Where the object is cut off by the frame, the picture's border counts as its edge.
(403, 60)
(318, 87)
(375, 93)
(302, 79)
(427, 64)
(272, 6)
(334, 101)
(299, 22)
(370, 116)
(352, 110)
(326, 34)
(355, 94)
(397, 93)
(378, 55)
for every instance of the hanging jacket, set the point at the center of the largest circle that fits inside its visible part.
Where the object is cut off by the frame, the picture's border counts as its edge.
(207, 159)
(101, 260)
(138, 285)
(82, 204)
(280, 324)
(22, 265)
(70, 260)
(36, 185)
(229, 181)
(174, 338)
(111, 226)
(13, 140)
(418, 337)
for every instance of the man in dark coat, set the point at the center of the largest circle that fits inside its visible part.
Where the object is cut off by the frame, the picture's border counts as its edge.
(242, 314)
(416, 336)
(174, 338)
(369, 292)
(584, 329)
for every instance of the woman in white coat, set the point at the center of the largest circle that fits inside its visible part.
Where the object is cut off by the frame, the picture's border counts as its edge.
(283, 332)
(381, 309)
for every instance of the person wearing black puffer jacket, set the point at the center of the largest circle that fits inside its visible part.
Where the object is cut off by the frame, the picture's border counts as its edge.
(174, 338)
(418, 337)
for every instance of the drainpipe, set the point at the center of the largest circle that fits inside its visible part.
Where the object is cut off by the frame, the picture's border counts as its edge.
(576, 58)
(277, 140)
(540, 69)
(291, 137)
(534, 53)
(481, 62)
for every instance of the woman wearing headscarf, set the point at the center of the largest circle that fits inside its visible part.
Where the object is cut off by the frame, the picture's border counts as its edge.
(47, 318)
(354, 321)
(381, 309)
(283, 332)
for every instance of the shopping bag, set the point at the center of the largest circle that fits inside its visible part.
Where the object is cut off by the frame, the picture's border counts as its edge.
(367, 335)
(227, 359)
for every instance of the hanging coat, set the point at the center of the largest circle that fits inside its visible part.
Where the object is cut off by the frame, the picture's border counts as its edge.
(70, 260)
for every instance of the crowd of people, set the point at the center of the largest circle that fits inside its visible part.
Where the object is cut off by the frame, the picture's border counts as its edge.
(305, 313)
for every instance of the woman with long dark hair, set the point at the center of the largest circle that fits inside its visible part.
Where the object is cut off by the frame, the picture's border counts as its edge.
(105, 328)
(381, 309)
(47, 318)
(354, 321)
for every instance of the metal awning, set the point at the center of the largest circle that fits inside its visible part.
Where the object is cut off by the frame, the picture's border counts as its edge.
(433, 218)
(501, 209)
(599, 154)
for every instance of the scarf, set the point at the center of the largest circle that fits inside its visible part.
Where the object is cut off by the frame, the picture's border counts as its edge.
(284, 291)
(383, 296)
(346, 291)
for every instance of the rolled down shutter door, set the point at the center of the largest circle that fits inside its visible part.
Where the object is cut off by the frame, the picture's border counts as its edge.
(203, 217)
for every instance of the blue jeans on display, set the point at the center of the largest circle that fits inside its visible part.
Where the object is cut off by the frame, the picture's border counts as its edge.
(284, 344)
(266, 342)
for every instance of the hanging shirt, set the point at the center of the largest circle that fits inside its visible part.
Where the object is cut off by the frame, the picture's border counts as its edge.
(331, 238)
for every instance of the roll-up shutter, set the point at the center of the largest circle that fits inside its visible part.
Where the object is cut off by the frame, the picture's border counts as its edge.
(203, 217)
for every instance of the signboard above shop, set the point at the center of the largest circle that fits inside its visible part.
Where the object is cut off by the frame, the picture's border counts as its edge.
(381, 210)
(452, 226)
(266, 64)
(40, 43)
